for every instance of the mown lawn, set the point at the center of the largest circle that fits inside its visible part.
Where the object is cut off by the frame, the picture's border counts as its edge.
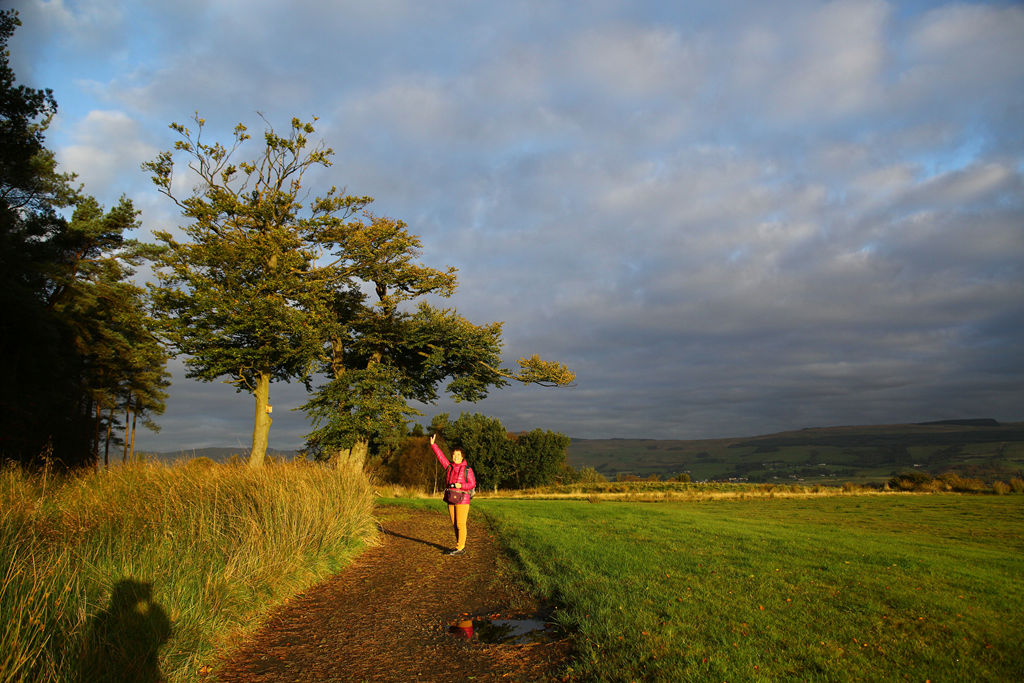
(899, 587)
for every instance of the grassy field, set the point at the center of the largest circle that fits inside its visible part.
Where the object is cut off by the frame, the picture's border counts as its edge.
(822, 455)
(148, 572)
(860, 588)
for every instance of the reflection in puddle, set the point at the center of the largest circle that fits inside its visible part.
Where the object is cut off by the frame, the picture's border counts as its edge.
(486, 630)
(463, 629)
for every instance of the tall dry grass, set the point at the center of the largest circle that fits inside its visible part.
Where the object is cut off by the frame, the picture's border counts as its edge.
(156, 570)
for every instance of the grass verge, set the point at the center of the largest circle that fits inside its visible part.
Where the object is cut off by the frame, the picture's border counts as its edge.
(838, 588)
(151, 571)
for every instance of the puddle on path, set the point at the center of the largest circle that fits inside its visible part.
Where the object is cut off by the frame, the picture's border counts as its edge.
(494, 630)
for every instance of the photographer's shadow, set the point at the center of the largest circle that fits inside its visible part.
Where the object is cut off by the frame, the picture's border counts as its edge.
(124, 639)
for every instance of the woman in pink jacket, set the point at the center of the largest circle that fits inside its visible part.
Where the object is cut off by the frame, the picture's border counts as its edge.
(459, 485)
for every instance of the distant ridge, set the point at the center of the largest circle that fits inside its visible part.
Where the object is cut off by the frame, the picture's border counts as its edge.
(975, 447)
(217, 454)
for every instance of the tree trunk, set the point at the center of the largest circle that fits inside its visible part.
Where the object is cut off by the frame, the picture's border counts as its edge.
(131, 452)
(351, 459)
(261, 421)
(96, 436)
(127, 427)
(110, 431)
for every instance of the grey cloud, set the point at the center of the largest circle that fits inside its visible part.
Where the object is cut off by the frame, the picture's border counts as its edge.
(727, 219)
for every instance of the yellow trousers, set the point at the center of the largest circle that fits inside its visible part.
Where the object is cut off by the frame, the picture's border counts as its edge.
(459, 514)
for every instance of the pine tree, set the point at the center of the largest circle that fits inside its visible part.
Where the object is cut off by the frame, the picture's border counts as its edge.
(64, 291)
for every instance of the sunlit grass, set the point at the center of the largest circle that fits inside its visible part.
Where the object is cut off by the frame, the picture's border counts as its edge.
(837, 588)
(663, 491)
(152, 568)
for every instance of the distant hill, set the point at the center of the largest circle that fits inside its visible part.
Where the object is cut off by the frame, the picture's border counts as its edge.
(215, 454)
(981, 448)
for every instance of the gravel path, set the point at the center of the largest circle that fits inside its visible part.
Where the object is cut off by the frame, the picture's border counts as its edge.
(387, 616)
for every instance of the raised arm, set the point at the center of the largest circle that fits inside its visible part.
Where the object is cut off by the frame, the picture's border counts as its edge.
(438, 452)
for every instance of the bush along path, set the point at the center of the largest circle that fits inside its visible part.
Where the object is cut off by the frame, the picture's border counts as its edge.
(394, 615)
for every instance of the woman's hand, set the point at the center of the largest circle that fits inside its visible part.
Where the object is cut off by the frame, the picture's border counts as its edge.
(458, 484)
(433, 438)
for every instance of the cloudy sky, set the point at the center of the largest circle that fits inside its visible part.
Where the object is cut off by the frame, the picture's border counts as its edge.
(728, 218)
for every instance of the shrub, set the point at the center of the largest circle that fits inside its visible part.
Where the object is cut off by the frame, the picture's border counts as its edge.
(1000, 488)
(912, 480)
(200, 463)
(683, 478)
(850, 487)
(1017, 485)
(588, 475)
(955, 482)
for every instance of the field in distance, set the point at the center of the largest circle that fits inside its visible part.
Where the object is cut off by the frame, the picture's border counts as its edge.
(980, 448)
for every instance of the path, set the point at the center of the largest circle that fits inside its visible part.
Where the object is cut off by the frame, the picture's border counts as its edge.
(386, 617)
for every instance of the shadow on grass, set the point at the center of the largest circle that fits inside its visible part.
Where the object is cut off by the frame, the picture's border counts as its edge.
(124, 639)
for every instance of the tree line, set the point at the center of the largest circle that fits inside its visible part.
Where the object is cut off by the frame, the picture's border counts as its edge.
(81, 365)
(265, 280)
(499, 458)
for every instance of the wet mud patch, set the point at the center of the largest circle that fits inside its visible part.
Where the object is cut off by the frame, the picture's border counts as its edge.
(388, 616)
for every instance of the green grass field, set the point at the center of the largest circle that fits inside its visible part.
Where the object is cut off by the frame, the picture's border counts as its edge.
(897, 587)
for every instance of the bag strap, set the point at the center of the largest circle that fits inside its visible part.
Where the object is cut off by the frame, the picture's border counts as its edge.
(465, 475)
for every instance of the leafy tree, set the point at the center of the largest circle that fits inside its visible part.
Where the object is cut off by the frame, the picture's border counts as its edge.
(243, 298)
(486, 446)
(270, 289)
(417, 465)
(388, 351)
(535, 458)
(588, 475)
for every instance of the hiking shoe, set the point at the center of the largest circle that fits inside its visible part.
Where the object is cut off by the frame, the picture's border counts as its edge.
(456, 551)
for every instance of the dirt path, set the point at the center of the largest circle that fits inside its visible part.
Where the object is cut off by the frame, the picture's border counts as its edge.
(387, 616)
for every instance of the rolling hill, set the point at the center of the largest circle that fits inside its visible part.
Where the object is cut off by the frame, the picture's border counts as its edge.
(980, 448)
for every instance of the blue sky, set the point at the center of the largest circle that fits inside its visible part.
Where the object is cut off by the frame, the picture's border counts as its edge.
(729, 219)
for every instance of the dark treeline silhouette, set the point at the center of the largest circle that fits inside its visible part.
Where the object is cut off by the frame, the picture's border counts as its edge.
(78, 364)
(500, 459)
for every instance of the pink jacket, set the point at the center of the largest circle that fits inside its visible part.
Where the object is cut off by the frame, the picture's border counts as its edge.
(454, 473)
